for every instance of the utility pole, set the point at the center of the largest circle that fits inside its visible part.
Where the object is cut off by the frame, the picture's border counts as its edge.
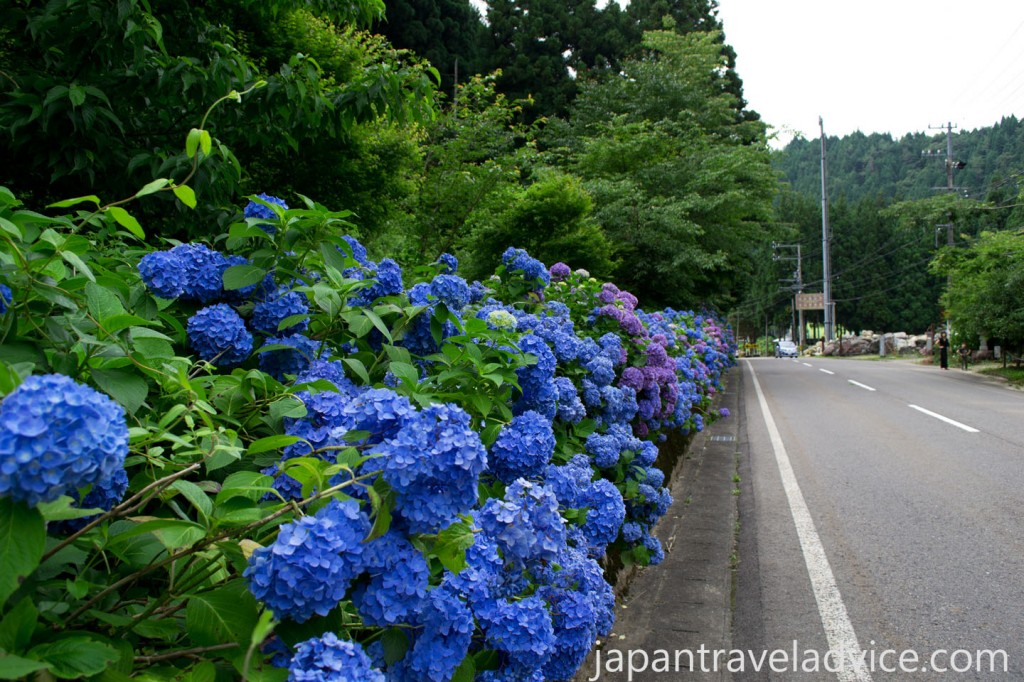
(826, 237)
(951, 164)
(797, 283)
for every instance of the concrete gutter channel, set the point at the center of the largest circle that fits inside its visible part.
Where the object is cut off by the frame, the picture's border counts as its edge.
(671, 612)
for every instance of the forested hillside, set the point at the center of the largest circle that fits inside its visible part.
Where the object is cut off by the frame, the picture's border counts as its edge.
(912, 167)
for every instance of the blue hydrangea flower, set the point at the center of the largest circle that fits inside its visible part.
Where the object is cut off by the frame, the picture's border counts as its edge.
(434, 463)
(329, 659)
(219, 336)
(294, 360)
(569, 480)
(255, 210)
(574, 620)
(451, 290)
(523, 630)
(526, 523)
(269, 313)
(654, 549)
(444, 641)
(605, 514)
(163, 274)
(380, 411)
(204, 272)
(6, 296)
(570, 408)
(386, 281)
(523, 447)
(449, 264)
(518, 260)
(399, 578)
(605, 448)
(358, 251)
(632, 531)
(308, 568)
(57, 435)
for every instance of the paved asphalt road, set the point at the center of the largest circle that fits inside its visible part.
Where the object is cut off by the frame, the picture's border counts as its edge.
(917, 512)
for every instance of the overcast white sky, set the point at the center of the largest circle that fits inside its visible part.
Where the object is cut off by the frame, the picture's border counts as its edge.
(895, 66)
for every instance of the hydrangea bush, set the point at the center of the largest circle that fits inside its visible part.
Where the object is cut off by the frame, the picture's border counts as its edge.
(272, 457)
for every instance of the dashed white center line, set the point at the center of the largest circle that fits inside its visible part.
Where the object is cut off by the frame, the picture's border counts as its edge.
(826, 371)
(965, 427)
(807, 364)
(857, 383)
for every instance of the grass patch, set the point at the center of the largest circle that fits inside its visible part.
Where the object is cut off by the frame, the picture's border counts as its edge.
(1013, 375)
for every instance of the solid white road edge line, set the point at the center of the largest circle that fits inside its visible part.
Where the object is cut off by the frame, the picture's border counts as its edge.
(842, 640)
(965, 427)
(857, 383)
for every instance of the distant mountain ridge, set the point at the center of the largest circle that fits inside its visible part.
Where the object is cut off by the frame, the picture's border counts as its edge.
(880, 167)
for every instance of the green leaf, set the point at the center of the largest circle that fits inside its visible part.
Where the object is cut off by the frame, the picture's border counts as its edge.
(192, 142)
(172, 533)
(78, 264)
(186, 195)
(452, 544)
(405, 372)
(75, 657)
(271, 443)
(102, 302)
(91, 198)
(22, 540)
(123, 385)
(205, 142)
(359, 368)
(15, 667)
(17, 626)
(127, 221)
(263, 628)
(248, 484)
(240, 276)
(77, 95)
(226, 614)
(196, 496)
(152, 187)
(466, 672)
(396, 644)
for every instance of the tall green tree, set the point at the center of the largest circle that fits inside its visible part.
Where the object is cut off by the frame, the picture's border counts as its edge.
(101, 95)
(682, 188)
(448, 33)
(985, 286)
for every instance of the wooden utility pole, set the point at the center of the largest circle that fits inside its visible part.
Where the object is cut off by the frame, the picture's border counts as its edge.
(826, 237)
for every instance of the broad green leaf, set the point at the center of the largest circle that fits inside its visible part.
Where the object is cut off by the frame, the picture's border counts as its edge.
(407, 373)
(17, 626)
(225, 614)
(127, 221)
(271, 443)
(11, 229)
(154, 186)
(22, 539)
(77, 95)
(240, 276)
(359, 368)
(186, 195)
(452, 544)
(91, 198)
(78, 264)
(172, 533)
(75, 657)
(205, 142)
(396, 644)
(116, 323)
(15, 667)
(196, 496)
(466, 672)
(123, 385)
(249, 484)
(62, 509)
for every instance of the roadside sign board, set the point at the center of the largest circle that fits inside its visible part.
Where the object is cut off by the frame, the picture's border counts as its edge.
(810, 301)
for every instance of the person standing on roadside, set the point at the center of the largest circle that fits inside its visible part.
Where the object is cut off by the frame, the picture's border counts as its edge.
(943, 344)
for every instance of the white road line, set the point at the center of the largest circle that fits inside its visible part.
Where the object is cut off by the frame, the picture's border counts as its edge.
(826, 371)
(857, 383)
(807, 364)
(842, 640)
(965, 427)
